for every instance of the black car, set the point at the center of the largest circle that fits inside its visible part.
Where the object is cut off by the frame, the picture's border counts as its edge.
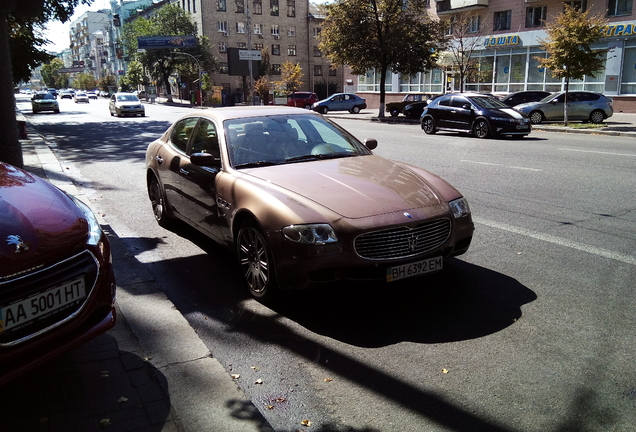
(474, 113)
(524, 96)
(414, 110)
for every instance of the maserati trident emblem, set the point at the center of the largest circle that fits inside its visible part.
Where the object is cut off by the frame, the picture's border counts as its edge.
(412, 242)
(17, 241)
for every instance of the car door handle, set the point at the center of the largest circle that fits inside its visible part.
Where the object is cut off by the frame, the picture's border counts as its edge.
(159, 159)
(184, 172)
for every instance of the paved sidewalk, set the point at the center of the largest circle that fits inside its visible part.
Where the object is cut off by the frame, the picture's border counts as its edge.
(150, 373)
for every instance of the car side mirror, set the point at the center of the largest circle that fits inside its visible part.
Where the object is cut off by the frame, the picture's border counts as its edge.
(205, 160)
(466, 106)
(371, 143)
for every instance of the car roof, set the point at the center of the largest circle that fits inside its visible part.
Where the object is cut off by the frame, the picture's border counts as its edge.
(235, 112)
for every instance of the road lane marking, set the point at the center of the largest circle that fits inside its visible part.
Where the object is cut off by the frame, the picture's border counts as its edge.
(599, 152)
(501, 165)
(627, 259)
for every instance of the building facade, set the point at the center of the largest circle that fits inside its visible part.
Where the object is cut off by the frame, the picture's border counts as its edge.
(509, 34)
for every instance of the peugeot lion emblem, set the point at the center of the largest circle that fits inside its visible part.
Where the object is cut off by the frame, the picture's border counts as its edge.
(17, 241)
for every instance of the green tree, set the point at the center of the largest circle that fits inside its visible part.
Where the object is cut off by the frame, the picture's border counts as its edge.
(84, 81)
(569, 47)
(108, 82)
(290, 77)
(51, 73)
(169, 20)
(135, 75)
(385, 35)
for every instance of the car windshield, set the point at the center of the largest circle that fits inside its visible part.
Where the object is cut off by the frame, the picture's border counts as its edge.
(488, 102)
(548, 98)
(276, 140)
(43, 96)
(127, 98)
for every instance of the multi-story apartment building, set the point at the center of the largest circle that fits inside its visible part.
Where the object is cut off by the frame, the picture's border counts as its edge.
(286, 28)
(509, 34)
(86, 34)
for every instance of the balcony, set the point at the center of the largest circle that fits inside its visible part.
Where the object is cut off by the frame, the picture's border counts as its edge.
(446, 7)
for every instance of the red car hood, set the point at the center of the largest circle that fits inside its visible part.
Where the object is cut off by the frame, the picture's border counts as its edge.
(39, 224)
(355, 187)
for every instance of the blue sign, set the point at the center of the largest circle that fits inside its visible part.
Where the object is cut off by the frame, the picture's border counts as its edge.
(166, 42)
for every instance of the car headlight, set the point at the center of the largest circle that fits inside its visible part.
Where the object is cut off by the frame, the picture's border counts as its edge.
(94, 228)
(459, 207)
(310, 234)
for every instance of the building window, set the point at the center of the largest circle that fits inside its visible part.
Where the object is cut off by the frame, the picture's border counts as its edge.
(578, 5)
(273, 7)
(332, 72)
(473, 24)
(275, 69)
(240, 6)
(317, 70)
(275, 30)
(258, 7)
(194, 6)
(317, 31)
(222, 47)
(291, 50)
(276, 50)
(220, 5)
(619, 7)
(291, 31)
(502, 20)
(258, 29)
(240, 27)
(317, 52)
(291, 8)
(258, 46)
(223, 67)
(241, 45)
(535, 16)
(222, 27)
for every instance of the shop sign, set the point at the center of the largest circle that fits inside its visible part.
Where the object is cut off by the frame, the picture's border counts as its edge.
(501, 41)
(619, 30)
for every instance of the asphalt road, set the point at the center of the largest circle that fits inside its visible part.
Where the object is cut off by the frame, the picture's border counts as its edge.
(532, 330)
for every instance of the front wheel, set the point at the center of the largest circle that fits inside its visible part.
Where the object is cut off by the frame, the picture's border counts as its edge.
(597, 116)
(255, 262)
(428, 126)
(355, 110)
(536, 117)
(480, 129)
(324, 110)
(394, 112)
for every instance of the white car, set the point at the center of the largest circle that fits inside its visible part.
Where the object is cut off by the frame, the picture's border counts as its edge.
(81, 97)
(125, 104)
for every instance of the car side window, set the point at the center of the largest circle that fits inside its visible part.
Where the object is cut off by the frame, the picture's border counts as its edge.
(445, 102)
(459, 102)
(205, 139)
(181, 133)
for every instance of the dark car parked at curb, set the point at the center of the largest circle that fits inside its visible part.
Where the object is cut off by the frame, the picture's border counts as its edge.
(397, 108)
(57, 288)
(300, 201)
(341, 102)
(302, 99)
(474, 113)
(582, 105)
(415, 109)
(525, 96)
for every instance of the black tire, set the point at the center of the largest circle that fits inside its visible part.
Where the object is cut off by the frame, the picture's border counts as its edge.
(355, 110)
(255, 261)
(307, 106)
(481, 128)
(536, 117)
(428, 126)
(159, 204)
(57, 111)
(324, 110)
(597, 116)
(394, 112)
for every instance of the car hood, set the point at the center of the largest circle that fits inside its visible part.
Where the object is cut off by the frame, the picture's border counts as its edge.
(356, 187)
(128, 103)
(527, 105)
(512, 112)
(39, 224)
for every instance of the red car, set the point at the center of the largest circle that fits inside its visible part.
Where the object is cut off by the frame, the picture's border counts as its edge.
(57, 288)
(302, 99)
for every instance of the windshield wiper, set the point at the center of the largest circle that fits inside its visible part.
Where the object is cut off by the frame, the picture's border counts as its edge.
(256, 164)
(318, 157)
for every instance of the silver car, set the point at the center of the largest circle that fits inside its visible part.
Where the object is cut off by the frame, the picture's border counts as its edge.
(582, 105)
(125, 104)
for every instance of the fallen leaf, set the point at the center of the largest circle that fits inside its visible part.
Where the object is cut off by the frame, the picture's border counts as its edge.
(254, 367)
(445, 371)
(270, 407)
(328, 379)
(104, 422)
(305, 423)
(258, 381)
(122, 399)
(236, 376)
(280, 400)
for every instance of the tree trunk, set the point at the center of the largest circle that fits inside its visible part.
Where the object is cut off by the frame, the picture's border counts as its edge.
(382, 91)
(10, 148)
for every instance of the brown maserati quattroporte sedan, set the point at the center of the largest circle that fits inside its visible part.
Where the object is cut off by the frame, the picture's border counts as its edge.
(300, 201)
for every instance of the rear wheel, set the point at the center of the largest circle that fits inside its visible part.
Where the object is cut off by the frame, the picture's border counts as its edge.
(428, 125)
(159, 204)
(481, 129)
(355, 110)
(597, 116)
(536, 117)
(307, 106)
(255, 260)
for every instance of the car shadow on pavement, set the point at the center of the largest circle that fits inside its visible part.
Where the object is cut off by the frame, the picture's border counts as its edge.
(91, 388)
